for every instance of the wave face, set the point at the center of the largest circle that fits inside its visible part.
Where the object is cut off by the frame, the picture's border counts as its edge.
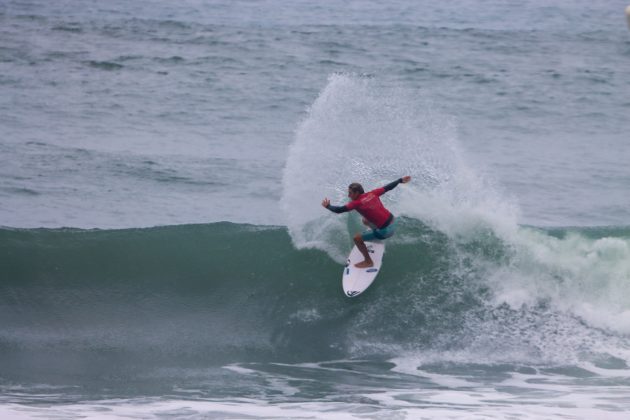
(109, 302)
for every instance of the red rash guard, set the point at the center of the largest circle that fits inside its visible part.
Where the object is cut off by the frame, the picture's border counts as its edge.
(369, 206)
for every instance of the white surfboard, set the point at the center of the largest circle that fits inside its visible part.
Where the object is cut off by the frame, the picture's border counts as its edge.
(356, 280)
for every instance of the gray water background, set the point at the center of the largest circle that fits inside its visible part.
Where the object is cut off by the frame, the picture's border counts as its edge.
(122, 114)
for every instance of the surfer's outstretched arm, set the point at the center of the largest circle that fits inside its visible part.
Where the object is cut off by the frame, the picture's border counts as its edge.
(334, 209)
(393, 185)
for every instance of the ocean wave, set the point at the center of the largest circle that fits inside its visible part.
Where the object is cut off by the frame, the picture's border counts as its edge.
(220, 293)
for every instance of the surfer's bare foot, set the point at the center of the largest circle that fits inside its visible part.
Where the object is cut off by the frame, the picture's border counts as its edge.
(364, 264)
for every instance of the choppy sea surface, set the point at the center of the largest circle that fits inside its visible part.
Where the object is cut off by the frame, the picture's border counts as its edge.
(164, 254)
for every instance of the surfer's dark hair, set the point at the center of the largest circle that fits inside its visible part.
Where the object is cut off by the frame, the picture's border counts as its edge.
(356, 187)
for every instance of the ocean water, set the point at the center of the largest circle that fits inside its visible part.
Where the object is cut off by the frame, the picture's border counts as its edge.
(164, 253)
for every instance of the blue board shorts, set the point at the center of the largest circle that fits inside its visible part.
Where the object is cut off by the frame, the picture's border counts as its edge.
(380, 234)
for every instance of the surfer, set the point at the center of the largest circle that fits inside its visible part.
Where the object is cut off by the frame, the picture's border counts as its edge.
(375, 215)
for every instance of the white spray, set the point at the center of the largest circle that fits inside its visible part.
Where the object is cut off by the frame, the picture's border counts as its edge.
(358, 130)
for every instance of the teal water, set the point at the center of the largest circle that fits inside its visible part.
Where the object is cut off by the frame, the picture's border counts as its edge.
(212, 314)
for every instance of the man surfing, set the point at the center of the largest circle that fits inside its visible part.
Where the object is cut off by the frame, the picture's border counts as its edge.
(375, 215)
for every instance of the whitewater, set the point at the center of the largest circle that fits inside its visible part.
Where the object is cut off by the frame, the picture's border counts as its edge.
(164, 253)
